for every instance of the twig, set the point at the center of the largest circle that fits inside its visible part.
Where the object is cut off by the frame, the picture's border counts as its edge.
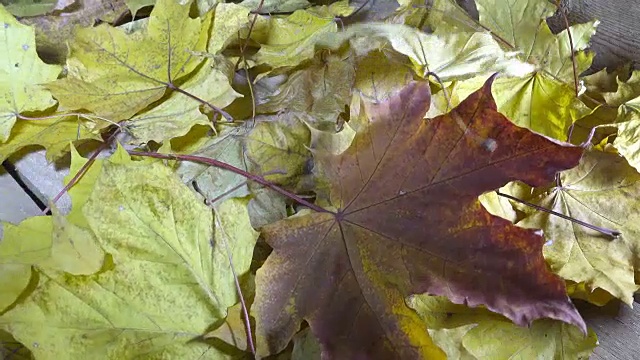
(245, 311)
(612, 233)
(573, 56)
(444, 89)
(88, 116)
(222, 165)
(83, 169)
(246, 42)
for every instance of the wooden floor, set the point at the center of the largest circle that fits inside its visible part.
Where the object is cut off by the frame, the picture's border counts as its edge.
(617, 327)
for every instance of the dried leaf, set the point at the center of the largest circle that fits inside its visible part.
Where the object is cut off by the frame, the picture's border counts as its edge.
(408, 221)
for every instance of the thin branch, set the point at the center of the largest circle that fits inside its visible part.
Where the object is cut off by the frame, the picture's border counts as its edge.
(444, 89)
(222, 165)
(573, 56)
(245, 311)
(224, 114)
(246, 42)
(83, 169)
(612, 233)
(88, 116)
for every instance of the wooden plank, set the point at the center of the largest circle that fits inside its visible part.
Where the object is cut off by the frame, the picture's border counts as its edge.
(617, 327)
(617, 39)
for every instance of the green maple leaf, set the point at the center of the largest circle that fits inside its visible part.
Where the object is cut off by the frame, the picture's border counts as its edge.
(21, 73)
(520, 25)
(291, 40)
(322, 89)
(53, 134)
(583, 255)
(168, 279)
(176, 115)
(537, 102)
(212, 182)
(276, 6)
(627, 99)
(450, 55)
(395, 232)
(478, 334)
(115, 75)
(61, 243)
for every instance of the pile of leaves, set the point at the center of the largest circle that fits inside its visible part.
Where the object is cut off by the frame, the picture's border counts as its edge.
(295, 179)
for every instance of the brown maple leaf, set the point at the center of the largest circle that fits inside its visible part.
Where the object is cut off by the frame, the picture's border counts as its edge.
(409, 221)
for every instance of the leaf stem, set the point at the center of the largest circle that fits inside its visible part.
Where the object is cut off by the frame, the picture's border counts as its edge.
(562, 11)
(243, 304)
(612, 233)
(224, 114)
(222, 165)
(83, 169)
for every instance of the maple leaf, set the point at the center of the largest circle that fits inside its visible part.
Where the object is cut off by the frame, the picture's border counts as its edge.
(178, 114)
(291, 40)
(115, 74)
(521, 25)
(163, 244)
(276, 6)
(322, 89)
(627, 99)
(545, 100)
(56, 242)
(53, 134)
(584, 255)
(451, 55)
(408, 221)
(21, 72)
(465, 333)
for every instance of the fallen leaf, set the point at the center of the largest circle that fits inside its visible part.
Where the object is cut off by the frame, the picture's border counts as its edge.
(233, 330)
(11, 346)
(277, 147)
(21, 72)
(408, 221)
(545, 339)
(62, 243)
(322, 89)
(168, 280)
(305, 346)
(521, 26)
(276, 6)
(601, 191)
(135, 5)
(29, 7)
(292, 39)
(539, 102)
(176, 115)
(450, 341)
(450, 55)
(479, 334)
(14, 279)
(115, 75)
(381, 73)
(53, 134)
(627, 122)
(545, 100)
(228, 20)
(212, 182)
(53, 31)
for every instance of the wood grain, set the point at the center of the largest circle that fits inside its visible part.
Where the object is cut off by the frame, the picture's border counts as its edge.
(617, 39)
(617, 327)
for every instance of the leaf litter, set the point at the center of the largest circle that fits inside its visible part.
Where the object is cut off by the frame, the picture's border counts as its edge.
(378, 246)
